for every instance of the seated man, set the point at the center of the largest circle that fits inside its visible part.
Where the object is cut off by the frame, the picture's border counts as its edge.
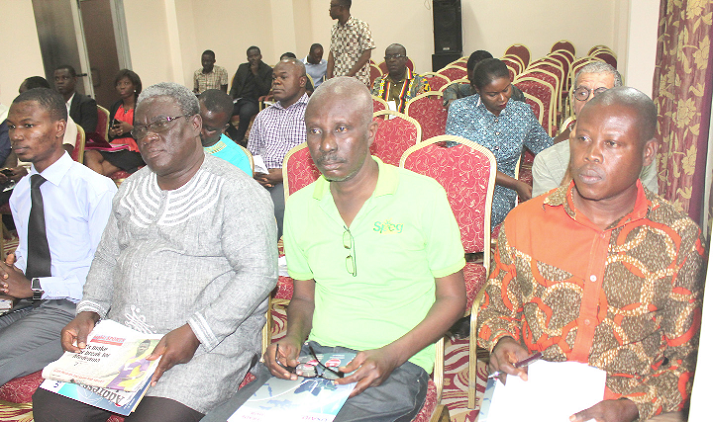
(209, 76)
(398, 294)
(314, 63)
(82, 109)
(252, 80)
(279, 128)
(602, 271)
(189, 252)
(60, 212)
(401, 84)
(550, 166)
(457, 91)
(216, 108)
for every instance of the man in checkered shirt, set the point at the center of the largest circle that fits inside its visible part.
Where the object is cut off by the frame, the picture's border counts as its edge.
(279, 128)
(351, 44)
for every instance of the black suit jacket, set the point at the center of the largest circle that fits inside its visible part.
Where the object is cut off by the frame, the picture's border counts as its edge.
(83, 110)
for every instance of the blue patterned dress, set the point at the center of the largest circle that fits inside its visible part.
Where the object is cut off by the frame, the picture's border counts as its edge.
(503, 135)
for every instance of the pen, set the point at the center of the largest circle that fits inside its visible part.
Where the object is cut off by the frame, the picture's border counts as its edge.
(521, 364)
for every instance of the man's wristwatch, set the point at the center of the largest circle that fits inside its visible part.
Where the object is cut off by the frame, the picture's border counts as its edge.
(37, 291)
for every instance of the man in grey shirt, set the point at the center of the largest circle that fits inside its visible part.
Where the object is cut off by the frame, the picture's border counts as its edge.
(190, 252)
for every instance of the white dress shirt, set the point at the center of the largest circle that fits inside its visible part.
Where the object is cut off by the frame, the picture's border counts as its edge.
(77, 205)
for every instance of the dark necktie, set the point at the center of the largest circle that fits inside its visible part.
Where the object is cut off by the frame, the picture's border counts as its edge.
(38, 251)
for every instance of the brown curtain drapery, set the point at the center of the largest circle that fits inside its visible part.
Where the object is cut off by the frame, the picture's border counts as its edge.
(682, 93)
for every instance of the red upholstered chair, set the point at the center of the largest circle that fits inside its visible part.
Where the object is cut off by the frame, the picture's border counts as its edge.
(103, 122)
(521, 51)
(563, 45)
(396, 133)
(379, 104)
(546, 76)
(436, 80)
(429, 112)
(78, 151)
(607, 56)
(409, 64)
(598, 47)
(536, 105)
(459, 63)
(543, 91)
(453, 72)
(383, 68)
(513, 63)
(467, 173)
(298, 169)
(374, 72)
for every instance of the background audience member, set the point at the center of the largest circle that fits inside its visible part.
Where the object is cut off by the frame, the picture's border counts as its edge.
(60, 212)
(209, 76)
(549, 169)
(216, 108)
(80, 107)
(400, 84)
(128, 86)
(493, 120)
(279, 128)
(252, 80)
(314, 63)
(351, 46)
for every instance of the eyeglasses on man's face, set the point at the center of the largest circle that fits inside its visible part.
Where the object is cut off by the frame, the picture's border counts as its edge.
(160, 125)
(394, 56)
(582, 93)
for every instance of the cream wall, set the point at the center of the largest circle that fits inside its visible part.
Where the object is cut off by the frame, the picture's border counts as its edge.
(20, 54)
(641, 49)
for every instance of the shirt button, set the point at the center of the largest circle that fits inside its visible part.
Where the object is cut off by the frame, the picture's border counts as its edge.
(592, 278)
(497, 133)
(587, 322)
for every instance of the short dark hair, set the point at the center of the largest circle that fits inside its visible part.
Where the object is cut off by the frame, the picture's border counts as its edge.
(253, 47)
(68, 67)
(314, 47)
(476, 57)
(210, 53)
(217, 101)
(487, 71)
(347, 4)
(48, 99)
(133, 77)
(633, 99)
(35, 82)
(288, 54)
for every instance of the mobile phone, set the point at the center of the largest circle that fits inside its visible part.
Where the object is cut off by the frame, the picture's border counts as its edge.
(7, 172)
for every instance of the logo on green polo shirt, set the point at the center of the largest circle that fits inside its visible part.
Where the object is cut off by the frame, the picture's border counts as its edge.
(387, 227)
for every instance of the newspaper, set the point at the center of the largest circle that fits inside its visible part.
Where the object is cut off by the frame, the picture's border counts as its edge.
(115, 358)
(121, 402)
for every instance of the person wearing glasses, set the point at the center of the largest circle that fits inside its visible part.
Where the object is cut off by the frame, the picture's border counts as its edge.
(550, 166)
(401, 84)
(376, 258)
(60, 211)
(351, 46)
(189, 252)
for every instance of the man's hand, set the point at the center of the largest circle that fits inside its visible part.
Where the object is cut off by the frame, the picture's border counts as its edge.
(609, 411)
(74, 335)
(13, 282)
(120, 128)
(372, 368)
(274, 177)
(178, 346)
(504, 355)
(18, 173)
(287, 351)
(524, 191)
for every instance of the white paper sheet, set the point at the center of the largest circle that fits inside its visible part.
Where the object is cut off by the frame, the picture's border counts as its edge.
(260, 166)
(554, 391)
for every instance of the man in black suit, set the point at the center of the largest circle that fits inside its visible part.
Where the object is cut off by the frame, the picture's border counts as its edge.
(81, 108)
(251, 81)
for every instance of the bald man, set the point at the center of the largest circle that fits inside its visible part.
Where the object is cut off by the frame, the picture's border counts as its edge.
(619, 272)
(376, 259)
(279, 128)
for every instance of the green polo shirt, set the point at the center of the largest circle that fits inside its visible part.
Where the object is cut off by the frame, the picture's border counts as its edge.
(405, 236)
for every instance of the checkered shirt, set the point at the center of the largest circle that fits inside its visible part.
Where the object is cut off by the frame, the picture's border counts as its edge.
(349, 41)
(213, 80)
(277, 130)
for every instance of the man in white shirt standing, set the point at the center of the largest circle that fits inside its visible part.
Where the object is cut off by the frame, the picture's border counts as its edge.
(60, 210)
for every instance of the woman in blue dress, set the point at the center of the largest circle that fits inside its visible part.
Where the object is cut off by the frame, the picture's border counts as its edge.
(490, 118)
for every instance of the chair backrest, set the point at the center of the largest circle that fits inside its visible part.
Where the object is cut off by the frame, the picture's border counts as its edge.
(453, 72)
(409, 64)
(551, 79)
(607, 56)
(78, 152)
(103, 122)
(521, 51)
(467, 173)
(512, 73)
(428, 110)
(374, 72)
(248, 154)
(536, 105)
(459, 63)
(554, 67)
(545, 93)
(383, 68)
(298, 169)
(564, 62)
(435, 80)
(396, 133)
(563, 45)
(566, 53)
(598, 47)
(457, 81)
(379, 104)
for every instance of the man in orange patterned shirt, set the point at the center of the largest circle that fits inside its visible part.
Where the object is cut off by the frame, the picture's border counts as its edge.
(602, 272)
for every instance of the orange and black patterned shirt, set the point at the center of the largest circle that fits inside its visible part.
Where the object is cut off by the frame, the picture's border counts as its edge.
(626, 299)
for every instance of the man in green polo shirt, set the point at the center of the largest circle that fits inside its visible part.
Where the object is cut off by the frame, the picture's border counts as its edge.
(376, 256)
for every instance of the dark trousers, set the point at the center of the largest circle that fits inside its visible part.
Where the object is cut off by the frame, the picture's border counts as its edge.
(246, 108)
(51, 407)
